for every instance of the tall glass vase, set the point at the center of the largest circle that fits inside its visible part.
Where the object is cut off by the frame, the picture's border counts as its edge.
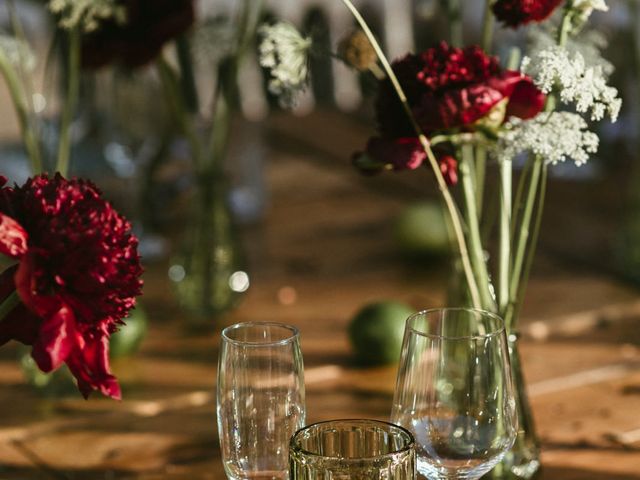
(523, 460)
(208, 270)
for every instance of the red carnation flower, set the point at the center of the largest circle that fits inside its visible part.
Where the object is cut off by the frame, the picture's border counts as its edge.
(447, 89)
(514, 13)
(77, 276)
(149, 25)
(452, 88)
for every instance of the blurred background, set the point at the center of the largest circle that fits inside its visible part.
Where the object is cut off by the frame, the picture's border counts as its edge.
(303, 238)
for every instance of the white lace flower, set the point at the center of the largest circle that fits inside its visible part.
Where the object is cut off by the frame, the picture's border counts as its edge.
(555, 137)
(585, 86)
(284, 51)
(589, 43)
(17, 53)
(87, 14)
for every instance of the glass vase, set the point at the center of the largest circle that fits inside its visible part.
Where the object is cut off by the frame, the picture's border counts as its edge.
(208, 271)
(523, 460)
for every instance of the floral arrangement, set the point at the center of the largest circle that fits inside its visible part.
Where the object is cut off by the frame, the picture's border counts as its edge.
(452, 109)
(455, 110)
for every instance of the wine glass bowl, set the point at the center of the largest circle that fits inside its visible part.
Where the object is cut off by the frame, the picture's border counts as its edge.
(454, 392)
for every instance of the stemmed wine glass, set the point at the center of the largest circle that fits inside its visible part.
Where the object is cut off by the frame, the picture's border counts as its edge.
(454, 392)
(261, 401)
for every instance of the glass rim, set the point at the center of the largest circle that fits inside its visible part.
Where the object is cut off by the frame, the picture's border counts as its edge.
(294, 334)
(410, 445)
(422, 313)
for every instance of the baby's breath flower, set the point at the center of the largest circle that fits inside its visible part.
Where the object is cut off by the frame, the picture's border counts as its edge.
(586, 86)
(555, 137)
(87, 15)
(17, 53)
(284, 51)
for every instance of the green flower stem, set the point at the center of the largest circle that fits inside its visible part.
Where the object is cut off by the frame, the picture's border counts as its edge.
(454, 13)
(71, 100)
(8, 304)
(188, 80)
(534, 241)
(504, 252)
(219, 138)
(519, 275)
(477, 253)
(18, 97)
(442, 185)
(523, 238)
(481, 169)
(488, 25)
(185, 120)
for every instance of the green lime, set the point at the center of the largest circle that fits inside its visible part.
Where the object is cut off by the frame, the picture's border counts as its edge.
(127, 340)
(421, 230)
(376, 332)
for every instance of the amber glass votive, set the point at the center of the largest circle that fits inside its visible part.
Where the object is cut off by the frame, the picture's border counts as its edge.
(354, 450)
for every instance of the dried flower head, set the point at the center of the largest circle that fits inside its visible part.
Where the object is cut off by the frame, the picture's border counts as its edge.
(356, 50)
(555, 137)
(575, 81)
(284, 52)
(77, 276)
(17, 53)
(87, 15)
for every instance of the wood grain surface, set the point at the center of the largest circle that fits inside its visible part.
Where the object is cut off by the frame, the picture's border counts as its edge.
(326, 239)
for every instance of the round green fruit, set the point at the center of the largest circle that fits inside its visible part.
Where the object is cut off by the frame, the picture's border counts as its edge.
(421, 230)
(127, 340)
(376, 332)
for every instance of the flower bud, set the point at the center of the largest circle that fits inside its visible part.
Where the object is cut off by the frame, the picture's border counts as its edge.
(356, 50)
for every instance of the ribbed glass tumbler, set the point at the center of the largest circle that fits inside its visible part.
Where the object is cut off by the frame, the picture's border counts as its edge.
(352, 450)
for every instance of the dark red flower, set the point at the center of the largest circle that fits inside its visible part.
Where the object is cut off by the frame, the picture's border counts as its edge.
(77, 276)
(401, 153)
(149, 25)
(514, 13)
(449, 169)
(453, 88)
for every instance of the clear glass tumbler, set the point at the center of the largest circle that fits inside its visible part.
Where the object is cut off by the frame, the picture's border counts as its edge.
(454, 392)
(260, 399)
(352, 450)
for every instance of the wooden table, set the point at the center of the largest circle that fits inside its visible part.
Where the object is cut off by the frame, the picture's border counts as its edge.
(327, 239)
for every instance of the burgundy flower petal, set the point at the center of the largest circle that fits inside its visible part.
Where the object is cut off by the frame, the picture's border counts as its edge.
(526, 101)
(401, 153)
(13, 238)
(56, 339)
(449, 169)
(515, 13)
(90, 366)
